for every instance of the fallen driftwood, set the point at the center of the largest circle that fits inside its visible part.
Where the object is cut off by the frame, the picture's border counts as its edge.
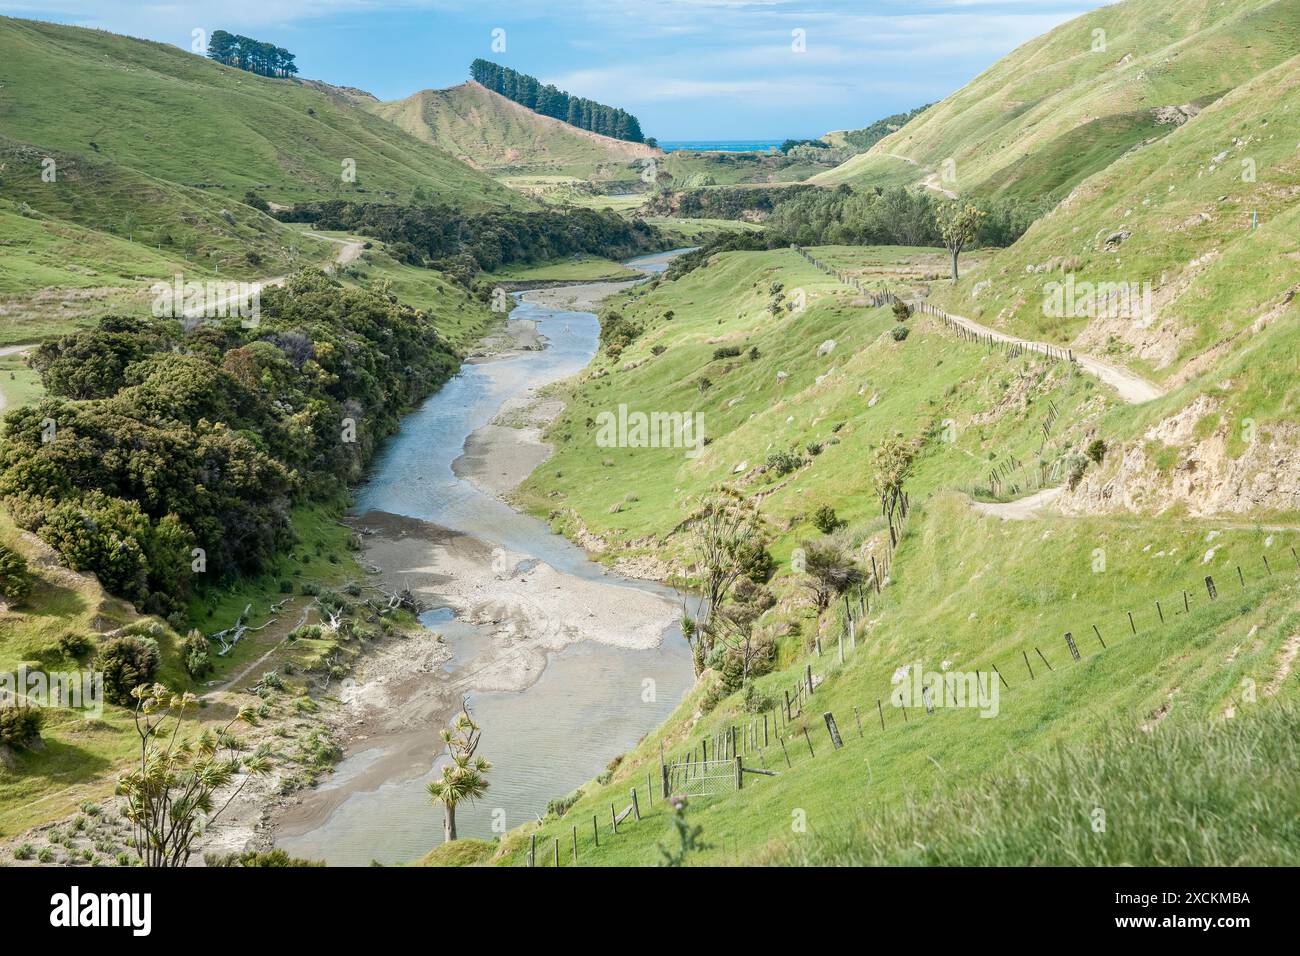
(400, 600)
(234, 634)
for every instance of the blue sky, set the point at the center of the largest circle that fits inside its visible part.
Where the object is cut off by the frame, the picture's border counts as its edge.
(690, 69)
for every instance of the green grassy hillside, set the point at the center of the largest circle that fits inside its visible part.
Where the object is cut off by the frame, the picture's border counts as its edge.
(183, 118)
(970, 593)
(1029, 107)
(776, 394)
(966, 591)
(153, 218)
(1205, 221)
(492, 133)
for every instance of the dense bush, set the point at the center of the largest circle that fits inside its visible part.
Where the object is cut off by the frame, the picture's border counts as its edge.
(190, 448)
(127, 662)
(814, 216)
(75, 645)
(20, 726)
(463, 243)
(196, 655)
(617, 332)
(825, 519)
(755, 561)
(783, 462)
(15, 576)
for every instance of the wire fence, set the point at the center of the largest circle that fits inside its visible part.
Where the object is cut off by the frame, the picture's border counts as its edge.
(795, 732)
(1010, 345)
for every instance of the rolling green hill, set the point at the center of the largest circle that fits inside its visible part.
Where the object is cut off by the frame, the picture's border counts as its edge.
(489, 132)
(185, 119)
(1127, 67)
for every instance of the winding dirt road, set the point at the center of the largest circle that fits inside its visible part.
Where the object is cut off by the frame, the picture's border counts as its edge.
(350, 251)
(1131, 387)
(1036, 505)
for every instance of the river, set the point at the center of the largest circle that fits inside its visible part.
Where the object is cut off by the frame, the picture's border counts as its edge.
(553, 709)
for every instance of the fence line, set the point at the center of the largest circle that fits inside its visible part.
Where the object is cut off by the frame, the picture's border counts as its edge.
(881, 298)
(717, 763)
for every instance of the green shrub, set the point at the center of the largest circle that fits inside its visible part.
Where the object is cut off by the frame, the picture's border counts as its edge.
(196, 655)
(755, 701)
(726, 351)
(899, 333)
(75, 645)
(20, 726)
(783, 462)
(825, 519)
(1096, 450)
(127, 662)
(560, 805)
(15, 577)
(756, 562)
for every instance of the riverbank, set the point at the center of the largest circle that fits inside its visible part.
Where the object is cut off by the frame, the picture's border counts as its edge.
(522, 628)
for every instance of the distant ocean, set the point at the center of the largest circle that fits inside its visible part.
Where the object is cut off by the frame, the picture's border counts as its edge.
(721, 145)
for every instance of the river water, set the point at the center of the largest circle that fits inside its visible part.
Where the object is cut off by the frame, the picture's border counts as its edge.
(588, 703)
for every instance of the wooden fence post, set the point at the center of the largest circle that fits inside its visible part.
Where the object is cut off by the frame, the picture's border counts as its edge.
(532, 849)
(636, 807)
(833, 729)
(740, 774)
(595, 830)
(808, 740)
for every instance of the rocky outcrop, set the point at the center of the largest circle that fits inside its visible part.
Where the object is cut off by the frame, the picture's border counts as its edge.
(1206, 479)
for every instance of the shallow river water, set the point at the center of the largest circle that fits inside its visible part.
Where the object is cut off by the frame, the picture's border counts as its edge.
(587, 705)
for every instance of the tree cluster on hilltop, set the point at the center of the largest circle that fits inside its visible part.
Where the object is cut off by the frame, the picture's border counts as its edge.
(556, 103)
(866, 137)
(245, 53)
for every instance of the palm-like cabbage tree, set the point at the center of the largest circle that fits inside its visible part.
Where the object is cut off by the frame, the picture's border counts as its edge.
(465, 777)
